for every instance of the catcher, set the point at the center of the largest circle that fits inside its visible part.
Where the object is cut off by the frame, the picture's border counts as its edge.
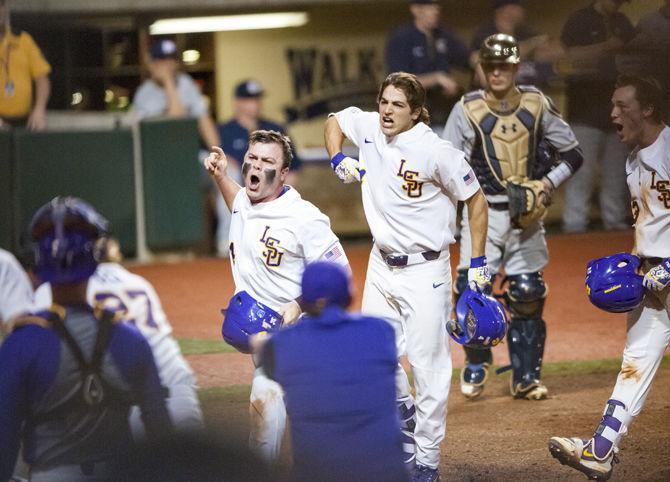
(521, 150)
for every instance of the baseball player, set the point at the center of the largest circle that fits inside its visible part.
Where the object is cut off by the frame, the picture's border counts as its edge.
(119, 290)
(410, 182)
(512, 134)
(637, 114)
(273, 234)
(16, 295)
(70, 374)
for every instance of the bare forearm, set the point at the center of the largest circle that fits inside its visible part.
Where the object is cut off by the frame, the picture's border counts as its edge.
(333, 136)
(478, 218)
(228, 188)
(42, 91)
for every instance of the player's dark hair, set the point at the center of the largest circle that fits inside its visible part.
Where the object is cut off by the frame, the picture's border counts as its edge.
(648, 93)
(413, 90)
(274, 137)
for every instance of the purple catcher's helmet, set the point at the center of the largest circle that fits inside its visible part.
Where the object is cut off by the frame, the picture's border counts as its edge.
(480, 322)
(245, 317)
(612, 282)
(68, 237)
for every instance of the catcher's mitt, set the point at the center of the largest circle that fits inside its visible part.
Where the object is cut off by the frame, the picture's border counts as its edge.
(523, 195)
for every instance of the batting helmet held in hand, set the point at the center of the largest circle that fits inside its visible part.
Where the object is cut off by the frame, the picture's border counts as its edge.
(68, 240)
(480, 322)
(499, 48)
(613, 284)
(245, 317)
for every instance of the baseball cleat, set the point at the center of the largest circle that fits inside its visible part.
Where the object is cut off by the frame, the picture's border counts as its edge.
(536, 390)
(425, 474)
(473, 379)
(578, 454)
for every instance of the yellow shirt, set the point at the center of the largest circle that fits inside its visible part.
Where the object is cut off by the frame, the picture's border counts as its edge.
(21, 61)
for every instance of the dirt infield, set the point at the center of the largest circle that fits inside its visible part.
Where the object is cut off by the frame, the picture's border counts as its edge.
(194, 292)
(495, 438)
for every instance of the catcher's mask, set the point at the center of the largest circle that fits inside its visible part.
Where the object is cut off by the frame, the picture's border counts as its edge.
(68, 237)
(480, 322)
(499, 48)
(612, 282)
(328, 281)
(245, 317)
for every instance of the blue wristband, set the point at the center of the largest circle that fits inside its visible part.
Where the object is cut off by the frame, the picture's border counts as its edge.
(478, 262)
(336, 159)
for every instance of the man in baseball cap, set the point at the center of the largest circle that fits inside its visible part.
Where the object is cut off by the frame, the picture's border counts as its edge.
(338, 375)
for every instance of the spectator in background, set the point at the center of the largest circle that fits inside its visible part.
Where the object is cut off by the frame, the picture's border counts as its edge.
(338, 375)
(171, 93)
(508, 18)
(649, 52)
(247, 111)
(427, 49)
(592, 37)
(21, 64)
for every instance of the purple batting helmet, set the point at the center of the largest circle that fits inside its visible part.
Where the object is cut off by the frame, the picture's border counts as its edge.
(245, 317)
(480, 322)
(612, 282)
(68, 240)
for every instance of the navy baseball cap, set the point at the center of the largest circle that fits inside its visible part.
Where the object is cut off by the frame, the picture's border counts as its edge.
(164, 48)
(249, 89)
(326, 280)
(502, 3)
(423, 2)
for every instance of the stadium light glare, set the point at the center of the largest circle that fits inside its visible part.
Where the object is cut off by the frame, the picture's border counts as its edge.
(228, 23)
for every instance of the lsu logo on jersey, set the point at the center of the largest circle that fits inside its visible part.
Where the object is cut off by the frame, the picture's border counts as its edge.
(412, 185)
(663, 189)
(272, 254)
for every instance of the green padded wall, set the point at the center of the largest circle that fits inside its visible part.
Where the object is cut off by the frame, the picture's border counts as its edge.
(94, 165)
(6, 221)
(173, 201)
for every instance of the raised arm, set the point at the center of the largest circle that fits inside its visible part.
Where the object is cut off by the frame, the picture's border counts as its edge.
(346, 168)
(216, 165)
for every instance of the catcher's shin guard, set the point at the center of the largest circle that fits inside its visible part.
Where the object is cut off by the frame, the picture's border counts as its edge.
(525, 341)
(407, 424)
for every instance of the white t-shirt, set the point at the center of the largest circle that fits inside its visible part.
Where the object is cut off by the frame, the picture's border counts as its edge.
(119, 289)
(16, 291)
(272, 241)
(648, 177)
(411, 184)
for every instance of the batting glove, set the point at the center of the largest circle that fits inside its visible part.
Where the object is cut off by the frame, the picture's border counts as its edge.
(479, 275)
(658, 277)
(347, 168)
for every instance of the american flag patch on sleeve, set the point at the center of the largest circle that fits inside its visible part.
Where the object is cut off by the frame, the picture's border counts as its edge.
(333, 254)
(469, 178)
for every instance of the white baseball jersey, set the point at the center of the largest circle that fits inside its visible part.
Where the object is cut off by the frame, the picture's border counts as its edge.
(648, 177)
(270, 244)
(411, 183)
(119, 289)
(16, 291)
(272, 241)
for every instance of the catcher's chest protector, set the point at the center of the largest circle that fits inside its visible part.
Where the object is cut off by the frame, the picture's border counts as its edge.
(505, 145)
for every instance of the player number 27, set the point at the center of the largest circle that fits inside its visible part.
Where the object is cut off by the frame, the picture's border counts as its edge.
(141, 314)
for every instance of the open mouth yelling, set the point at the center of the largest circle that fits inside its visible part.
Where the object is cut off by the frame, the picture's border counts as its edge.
(387, 122)
(254, 182)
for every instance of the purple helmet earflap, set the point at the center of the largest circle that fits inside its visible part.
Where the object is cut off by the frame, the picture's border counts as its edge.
(613, 284)
(245, 317)
(480, 322)
(67, 235)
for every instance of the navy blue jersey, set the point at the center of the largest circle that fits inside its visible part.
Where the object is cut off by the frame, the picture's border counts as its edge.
(338, 375)
(234, 139)
(40, 374)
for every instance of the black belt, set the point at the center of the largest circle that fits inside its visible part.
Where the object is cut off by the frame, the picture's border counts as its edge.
(400, 260)
(499, 206)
